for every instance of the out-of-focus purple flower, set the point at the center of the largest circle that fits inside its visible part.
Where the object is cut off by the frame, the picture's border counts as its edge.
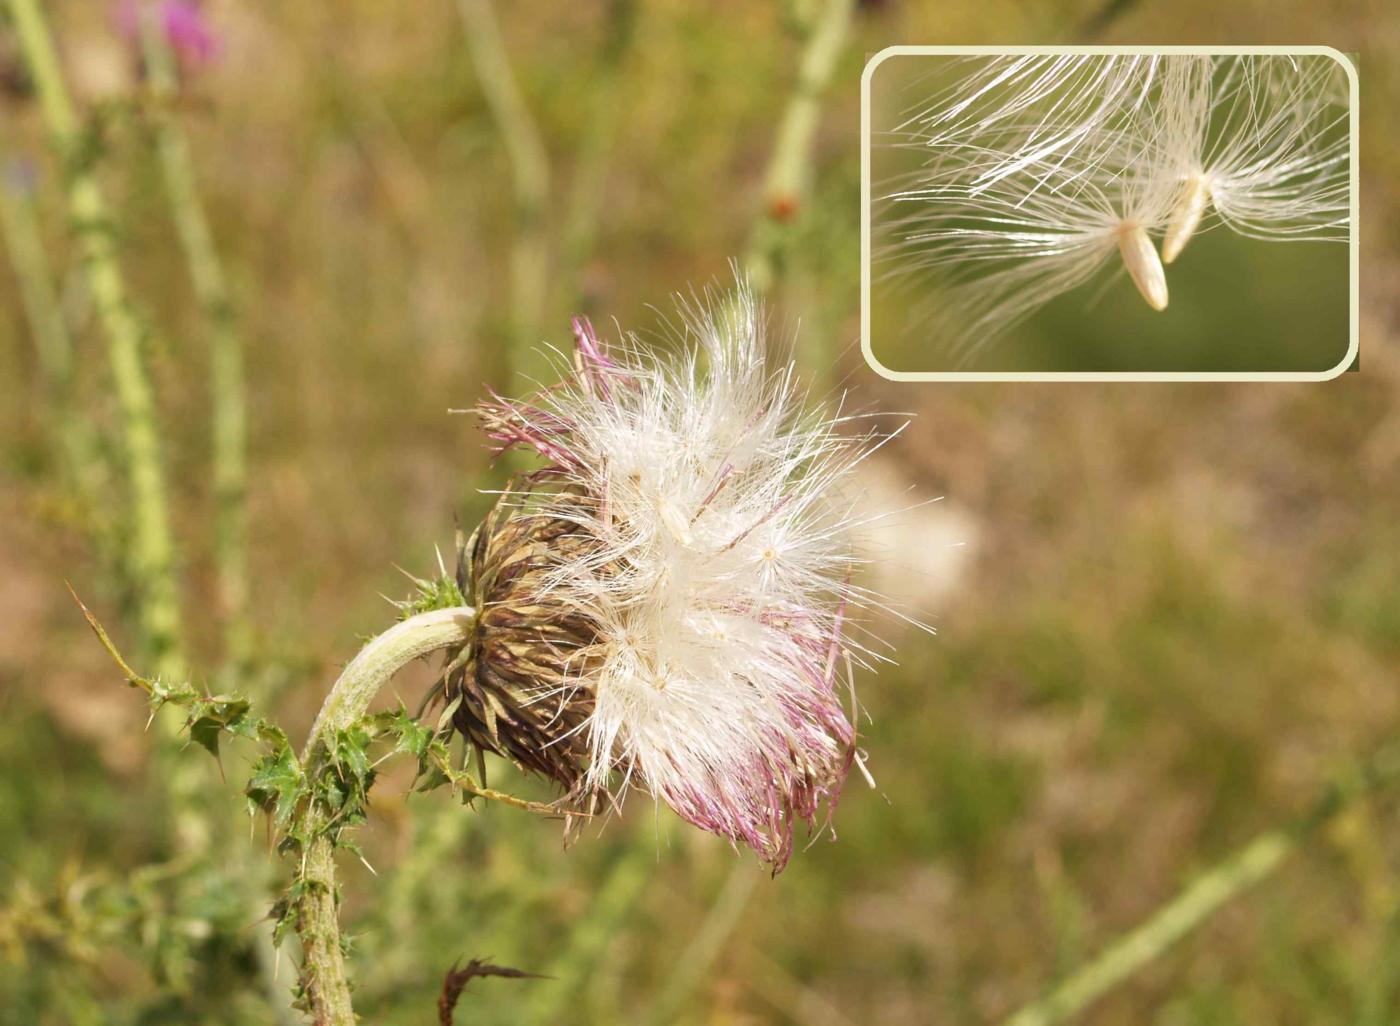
(186, 28)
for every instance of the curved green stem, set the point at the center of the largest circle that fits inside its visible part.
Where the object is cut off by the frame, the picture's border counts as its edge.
(318, 923)
(380, 659)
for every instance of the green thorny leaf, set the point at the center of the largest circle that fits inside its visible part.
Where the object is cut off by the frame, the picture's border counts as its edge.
(277, 786)
(435, 768)
(286, 911)
(208, 716)
(440, 592)
(412, 737)
(343, 783)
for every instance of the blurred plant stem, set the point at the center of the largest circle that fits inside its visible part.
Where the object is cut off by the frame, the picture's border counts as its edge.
(700, 954)
(228, 410)
(1203, 897)
(529, 165)
(150, 562)
(590, 170)
(152, 548)
(227, 391)
(593, 932)
(318, 921)
(78, 456)
(789, 176)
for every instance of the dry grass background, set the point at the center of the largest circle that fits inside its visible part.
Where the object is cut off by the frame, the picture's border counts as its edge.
(1177, 614)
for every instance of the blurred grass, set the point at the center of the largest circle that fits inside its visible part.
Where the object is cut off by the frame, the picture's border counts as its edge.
(1180, 618)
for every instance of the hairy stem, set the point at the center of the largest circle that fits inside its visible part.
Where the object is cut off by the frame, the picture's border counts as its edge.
(789, 168)
(152, 561)
(318, 922)
(228, 403)
(1201, 899)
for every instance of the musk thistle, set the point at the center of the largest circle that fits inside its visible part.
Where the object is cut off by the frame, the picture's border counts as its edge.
(666, 602)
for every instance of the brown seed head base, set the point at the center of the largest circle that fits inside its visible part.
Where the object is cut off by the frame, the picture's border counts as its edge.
(522, 687)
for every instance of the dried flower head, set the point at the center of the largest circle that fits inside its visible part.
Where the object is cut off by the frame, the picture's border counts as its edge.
(667, 605)
(525, 635)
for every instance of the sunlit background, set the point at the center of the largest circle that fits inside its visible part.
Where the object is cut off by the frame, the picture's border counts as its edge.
(1168, 616)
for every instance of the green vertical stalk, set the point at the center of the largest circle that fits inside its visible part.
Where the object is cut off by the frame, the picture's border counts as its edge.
(25, 243)
(227, 391)
(77, 454)
(581, 216)
(529, 164)
(788, 179)
(152, 556)
(150, 559)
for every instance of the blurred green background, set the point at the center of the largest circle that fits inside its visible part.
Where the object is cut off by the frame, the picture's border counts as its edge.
(1238, 305)
(1167, 614)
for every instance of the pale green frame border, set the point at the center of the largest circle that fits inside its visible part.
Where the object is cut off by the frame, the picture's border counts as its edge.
(950, 51)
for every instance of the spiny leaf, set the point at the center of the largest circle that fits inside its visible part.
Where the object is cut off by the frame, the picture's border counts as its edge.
(440, 592)
(412, 736)
(212, 716)
(133, 678)
(209, 715)
(277, 785)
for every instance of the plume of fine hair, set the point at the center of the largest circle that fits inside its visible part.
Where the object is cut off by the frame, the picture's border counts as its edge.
(709, 514)
(1036, 168)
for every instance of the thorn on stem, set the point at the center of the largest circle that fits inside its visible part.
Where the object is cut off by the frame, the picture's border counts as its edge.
(133, 678)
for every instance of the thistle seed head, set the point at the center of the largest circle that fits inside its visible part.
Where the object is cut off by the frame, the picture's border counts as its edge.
(667, 603)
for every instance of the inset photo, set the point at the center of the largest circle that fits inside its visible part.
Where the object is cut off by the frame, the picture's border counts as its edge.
(1084, 213)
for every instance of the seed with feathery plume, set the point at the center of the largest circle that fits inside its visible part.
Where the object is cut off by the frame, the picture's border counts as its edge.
(667, 603)
(1014, 207)
(1037, 168)
(1263, 142)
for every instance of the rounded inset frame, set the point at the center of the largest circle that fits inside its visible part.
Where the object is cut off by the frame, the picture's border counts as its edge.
(1109, 213)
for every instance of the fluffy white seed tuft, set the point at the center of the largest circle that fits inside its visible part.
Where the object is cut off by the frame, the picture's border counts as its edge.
(720, 582)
